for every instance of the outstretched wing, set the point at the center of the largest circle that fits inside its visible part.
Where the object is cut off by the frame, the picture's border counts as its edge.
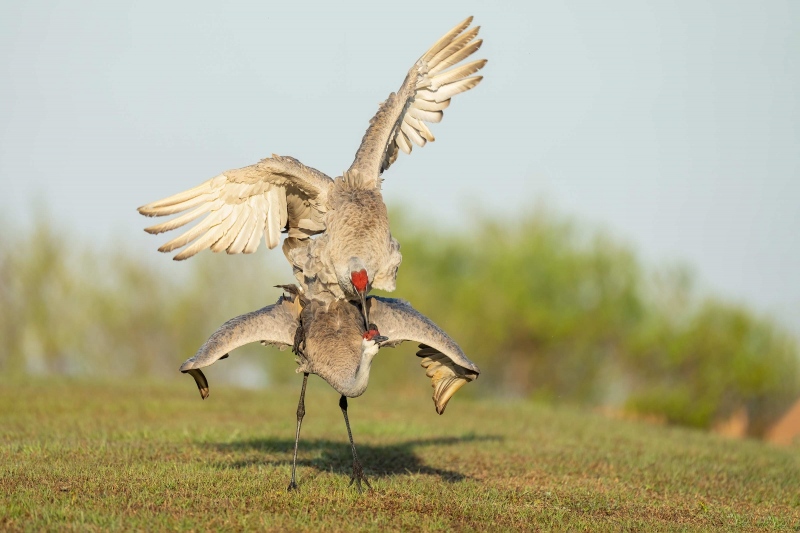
(275, 324)
(443, 360)
(238, 206)
(425, 93)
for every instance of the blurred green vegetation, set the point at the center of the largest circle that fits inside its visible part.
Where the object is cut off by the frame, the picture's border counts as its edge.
(70, 307)
(554, 310)
(549, 309)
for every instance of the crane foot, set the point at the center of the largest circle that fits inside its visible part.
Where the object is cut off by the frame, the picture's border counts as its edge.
(359, 476)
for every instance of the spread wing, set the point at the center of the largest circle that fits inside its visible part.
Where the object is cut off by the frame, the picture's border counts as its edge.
(443, 360)
(425, 93)
(238, 206)
(275, 324)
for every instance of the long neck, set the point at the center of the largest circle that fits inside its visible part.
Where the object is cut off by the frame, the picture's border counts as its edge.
(358, 383)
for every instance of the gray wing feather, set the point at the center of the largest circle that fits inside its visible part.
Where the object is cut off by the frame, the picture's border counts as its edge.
(400, 322)
(443, 360)
(274, 324)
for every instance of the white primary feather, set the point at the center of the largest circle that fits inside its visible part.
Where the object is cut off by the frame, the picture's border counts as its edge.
(242, 204)
(425, 93)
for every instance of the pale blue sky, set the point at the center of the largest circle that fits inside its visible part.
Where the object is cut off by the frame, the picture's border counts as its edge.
(676, 125)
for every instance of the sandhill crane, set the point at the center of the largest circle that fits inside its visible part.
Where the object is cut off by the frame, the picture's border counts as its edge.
(356, 250)
(332, 342)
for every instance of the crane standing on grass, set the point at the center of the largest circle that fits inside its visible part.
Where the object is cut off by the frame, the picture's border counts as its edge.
(355, 251)
(331, 342)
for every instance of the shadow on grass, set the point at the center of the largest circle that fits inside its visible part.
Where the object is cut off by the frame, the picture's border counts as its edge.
(328, 455)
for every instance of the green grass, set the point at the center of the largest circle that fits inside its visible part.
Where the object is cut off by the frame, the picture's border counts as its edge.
(83, 455)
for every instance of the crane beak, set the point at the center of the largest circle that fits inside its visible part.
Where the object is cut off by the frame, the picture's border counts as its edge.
(364, 311)
(380, 339)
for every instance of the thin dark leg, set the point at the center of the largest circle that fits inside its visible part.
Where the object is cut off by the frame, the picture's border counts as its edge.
(301, 412)
(358, 472)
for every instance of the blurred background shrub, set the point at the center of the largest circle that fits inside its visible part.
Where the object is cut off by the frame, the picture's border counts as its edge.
(549, 309)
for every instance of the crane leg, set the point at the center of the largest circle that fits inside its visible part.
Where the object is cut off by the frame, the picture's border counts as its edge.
(301, 412)
(358, 472)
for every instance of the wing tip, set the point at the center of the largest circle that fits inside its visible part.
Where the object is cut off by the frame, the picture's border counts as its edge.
(199, 378)
(148, 210)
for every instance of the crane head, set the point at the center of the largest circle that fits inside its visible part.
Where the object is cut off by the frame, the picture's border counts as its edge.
(360, 281)
(374, 335)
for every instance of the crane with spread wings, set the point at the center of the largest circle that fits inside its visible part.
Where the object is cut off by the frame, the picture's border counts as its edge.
(331, 341)
(338, 238)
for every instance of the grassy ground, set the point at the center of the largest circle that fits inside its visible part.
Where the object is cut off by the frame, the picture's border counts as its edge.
(79, 455)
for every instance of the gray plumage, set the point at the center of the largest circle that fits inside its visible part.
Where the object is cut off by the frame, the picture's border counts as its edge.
(280, 194)
(333, 344)
(274, 324)
(442, 358)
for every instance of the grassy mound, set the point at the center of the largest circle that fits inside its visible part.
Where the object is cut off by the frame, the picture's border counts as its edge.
(124, 455)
